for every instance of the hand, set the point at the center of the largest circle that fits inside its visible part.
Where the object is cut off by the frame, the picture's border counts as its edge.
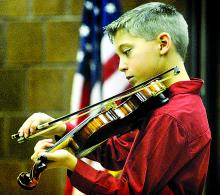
(29, 127)
(41, 147)
(57, 159)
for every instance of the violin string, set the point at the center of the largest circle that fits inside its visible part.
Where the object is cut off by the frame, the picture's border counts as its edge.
(106, 100)
(48, 129)
(110, 101)
(87, 112)
(166, 78)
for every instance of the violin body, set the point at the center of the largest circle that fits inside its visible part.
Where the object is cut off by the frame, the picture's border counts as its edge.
(97, 128)
(119, 120)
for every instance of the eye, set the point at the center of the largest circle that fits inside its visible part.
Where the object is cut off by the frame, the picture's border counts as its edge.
(127, 52)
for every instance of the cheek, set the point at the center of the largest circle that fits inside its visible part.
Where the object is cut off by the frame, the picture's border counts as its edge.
(140, 58)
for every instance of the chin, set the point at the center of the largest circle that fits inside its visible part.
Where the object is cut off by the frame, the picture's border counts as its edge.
(133, 84)
(136, 83)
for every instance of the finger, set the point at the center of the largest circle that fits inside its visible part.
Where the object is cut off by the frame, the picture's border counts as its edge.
(34, 122)
(52, 165)
(58, 155)
(44, 144)
(41, 147)
(54, 159)
(60, 158)
(33, 126)
(24, 130)
(36, 155)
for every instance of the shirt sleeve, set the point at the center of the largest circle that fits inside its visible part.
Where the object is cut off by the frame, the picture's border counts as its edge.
(118, 147)
(113, 154)
(69, 126)
(90, 181)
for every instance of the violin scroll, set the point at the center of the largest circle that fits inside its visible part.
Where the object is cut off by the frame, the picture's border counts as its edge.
(29, 180)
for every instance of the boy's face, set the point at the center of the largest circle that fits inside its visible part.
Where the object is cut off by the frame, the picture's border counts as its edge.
(139, 59)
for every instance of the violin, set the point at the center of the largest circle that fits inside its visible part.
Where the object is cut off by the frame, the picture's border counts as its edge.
(99, 126)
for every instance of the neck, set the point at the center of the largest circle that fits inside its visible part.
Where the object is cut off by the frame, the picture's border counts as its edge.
(182, 76)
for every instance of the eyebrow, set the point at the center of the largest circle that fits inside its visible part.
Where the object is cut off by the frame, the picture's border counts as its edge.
(125, 45)
(120, 48)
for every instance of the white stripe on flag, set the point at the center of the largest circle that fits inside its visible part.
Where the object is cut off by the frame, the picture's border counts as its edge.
(95, 93)
(107, 49)
(115, 84)
(77, 89)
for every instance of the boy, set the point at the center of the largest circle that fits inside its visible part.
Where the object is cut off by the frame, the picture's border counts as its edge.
(169, 152)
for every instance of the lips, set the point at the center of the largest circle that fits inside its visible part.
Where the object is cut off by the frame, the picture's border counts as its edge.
(129, 77)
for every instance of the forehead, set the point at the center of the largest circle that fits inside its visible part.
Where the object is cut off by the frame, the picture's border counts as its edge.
(124, 38)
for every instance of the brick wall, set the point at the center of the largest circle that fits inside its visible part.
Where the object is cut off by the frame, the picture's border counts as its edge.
(38, 44)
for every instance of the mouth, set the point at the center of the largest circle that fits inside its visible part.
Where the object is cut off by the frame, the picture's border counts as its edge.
(129, 77)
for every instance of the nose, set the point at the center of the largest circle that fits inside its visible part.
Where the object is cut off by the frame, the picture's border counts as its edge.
(122, 66)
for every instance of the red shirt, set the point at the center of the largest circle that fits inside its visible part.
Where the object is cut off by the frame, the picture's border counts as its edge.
(168, 154)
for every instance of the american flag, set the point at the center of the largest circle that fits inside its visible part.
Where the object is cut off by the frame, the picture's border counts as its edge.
(97, 76)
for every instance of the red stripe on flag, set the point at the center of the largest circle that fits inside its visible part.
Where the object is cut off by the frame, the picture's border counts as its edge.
(110, 67)
(85, 99)
(68, 187)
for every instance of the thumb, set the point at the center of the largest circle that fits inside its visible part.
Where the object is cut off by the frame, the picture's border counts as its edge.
(55, 156)
(46, 156)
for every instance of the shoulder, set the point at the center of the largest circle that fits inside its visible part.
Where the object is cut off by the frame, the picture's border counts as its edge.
(182, 105)
(187, 112)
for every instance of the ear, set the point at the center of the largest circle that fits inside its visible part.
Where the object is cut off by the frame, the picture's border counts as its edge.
(164, 40)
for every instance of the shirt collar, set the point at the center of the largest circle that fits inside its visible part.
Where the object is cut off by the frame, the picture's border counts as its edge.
(192, 86)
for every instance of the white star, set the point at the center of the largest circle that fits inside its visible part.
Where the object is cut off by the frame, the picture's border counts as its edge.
(110, 8)
(88, 5)
(96, 28)
(88, 47)
(96, 11)
(84, 30)
(79, 56)
(92, 66)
